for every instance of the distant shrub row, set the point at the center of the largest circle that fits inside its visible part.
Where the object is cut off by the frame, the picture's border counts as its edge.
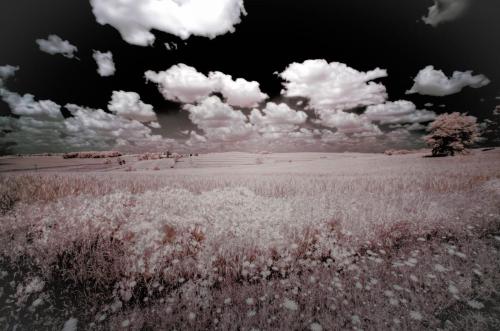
(91, 155)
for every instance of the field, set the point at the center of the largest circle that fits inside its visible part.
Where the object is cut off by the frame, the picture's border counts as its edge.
(239, 241)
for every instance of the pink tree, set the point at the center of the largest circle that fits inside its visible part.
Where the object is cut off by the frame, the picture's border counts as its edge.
(452, 133)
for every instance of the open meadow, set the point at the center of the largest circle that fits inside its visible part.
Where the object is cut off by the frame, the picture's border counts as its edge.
(240, 241)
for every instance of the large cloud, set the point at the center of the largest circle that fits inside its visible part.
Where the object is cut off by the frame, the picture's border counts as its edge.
(333, 86)
(105, 64)
(219, 121)
(398, 112)
(55, 45)
(445, 10)
(130, 106)
(135, 18)
(185, 84)
(434, 82)
(277, 118)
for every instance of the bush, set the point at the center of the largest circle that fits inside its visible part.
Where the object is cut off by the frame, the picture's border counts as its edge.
(452, 133)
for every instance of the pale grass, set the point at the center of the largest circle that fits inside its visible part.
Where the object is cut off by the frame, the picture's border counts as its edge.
(164, 246)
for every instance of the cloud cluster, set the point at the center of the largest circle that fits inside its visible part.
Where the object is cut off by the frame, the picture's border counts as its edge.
(430, 81)
(41, 127)
(129, 105)
(398, 112)
(333, 86)
(332, 91)
(135, 19)
(55, 45)
(105, 63)
(182, 83)
(444, 11)
(89, 128)
(219, 106)
(26, 105)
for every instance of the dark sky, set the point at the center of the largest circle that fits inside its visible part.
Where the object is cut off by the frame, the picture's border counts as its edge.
(364, 34)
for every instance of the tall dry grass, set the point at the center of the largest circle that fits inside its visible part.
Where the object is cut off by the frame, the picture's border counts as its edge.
(404, 247)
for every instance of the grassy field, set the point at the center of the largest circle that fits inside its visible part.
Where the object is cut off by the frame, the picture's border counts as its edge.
(236, 241)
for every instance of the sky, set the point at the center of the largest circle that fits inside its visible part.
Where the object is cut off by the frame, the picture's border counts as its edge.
(249, 75)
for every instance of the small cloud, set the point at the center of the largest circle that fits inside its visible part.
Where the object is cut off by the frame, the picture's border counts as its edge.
(445, 11)
(105, 64)
(171, 46)
(430, 81)
(349, 123)
(55, 45)
(6, 72)
(154, 125)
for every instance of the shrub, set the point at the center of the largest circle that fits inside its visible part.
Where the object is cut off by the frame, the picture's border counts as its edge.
(452, 133)
(149, 156)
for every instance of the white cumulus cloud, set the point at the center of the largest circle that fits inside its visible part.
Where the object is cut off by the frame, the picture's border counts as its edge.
(135, 19)
(41, 127)
(444, 11)
(398, 112)
(130, 106)
(219, 121)
(94, 127)
(349, 123)
(277, 118)
(430, 81)
(333, 86)
(239, 92)
(105, 64)
(26, 105)
(55, 45)
(183, 83)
